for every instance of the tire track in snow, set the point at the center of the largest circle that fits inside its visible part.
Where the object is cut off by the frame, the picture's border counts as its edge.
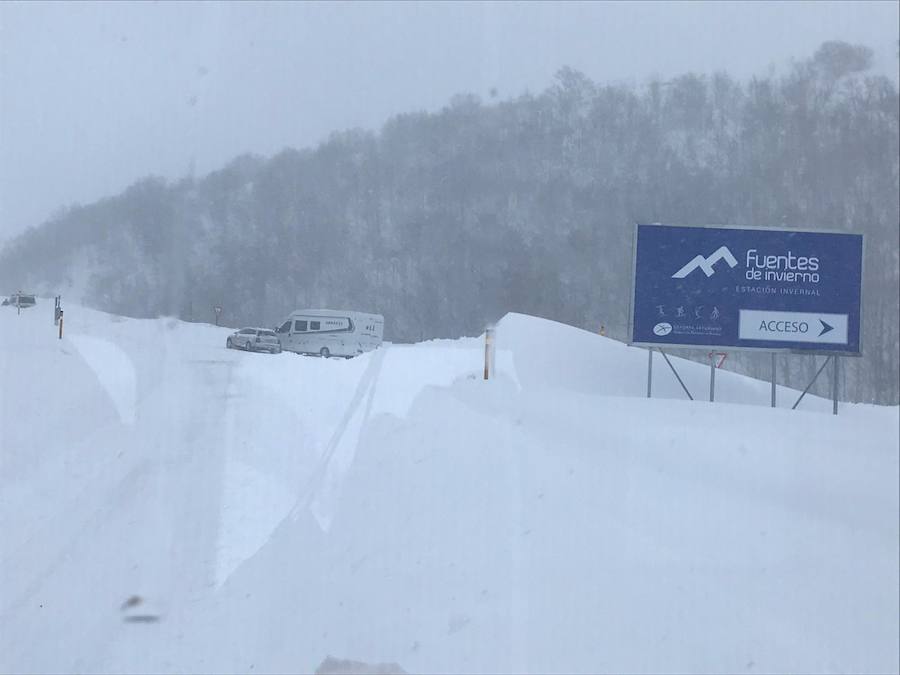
(322, 490)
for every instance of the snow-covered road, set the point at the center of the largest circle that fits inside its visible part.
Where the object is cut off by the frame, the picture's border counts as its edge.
(270, 510)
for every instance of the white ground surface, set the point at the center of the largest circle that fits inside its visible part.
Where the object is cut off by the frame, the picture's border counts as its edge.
(271, 510)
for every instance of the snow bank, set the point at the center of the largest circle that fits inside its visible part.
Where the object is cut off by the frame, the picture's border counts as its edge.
(272, 510)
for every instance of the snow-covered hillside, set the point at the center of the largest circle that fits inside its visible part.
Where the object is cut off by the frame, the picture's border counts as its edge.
(167, 505)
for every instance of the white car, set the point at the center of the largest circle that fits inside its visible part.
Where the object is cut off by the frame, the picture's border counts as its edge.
(254, 340)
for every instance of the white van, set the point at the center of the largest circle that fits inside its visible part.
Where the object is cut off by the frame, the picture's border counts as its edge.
(330, 332)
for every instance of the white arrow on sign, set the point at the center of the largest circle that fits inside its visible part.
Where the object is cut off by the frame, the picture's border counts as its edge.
(772, 326)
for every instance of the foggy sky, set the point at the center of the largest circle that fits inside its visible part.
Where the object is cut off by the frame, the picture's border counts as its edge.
(96, 95)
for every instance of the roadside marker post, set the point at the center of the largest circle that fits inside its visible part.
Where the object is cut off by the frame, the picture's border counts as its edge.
(488, 344)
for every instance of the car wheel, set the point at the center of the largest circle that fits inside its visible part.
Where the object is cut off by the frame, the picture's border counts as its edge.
(248, 346)
(228, 344)
(324, 353)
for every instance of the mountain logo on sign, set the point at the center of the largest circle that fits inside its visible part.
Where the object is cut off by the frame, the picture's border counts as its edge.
(706, 264)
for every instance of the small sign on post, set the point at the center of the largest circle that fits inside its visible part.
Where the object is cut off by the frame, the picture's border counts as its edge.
(218, 311)
(713, 366)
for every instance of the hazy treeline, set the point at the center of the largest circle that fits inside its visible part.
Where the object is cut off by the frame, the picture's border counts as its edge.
(446, 221)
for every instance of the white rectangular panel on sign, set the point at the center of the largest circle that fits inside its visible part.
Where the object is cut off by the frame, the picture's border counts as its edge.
(818, 327)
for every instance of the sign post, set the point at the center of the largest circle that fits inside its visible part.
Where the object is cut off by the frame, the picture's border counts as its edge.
(834, 385)
(713, 367)
(218, 310)
(767, 290)
(773, 379)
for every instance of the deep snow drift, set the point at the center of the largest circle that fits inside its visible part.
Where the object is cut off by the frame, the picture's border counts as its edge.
(167, 505)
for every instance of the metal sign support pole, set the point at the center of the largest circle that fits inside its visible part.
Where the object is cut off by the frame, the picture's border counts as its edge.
(649, 370)
(834, 385)
(809, 386)
(712, 377)
(773, 379)
(677, 376)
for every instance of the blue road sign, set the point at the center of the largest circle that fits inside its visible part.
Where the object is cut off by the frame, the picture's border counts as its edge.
(748, 288)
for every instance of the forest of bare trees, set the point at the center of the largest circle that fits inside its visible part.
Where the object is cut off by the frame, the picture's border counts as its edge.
(445, 221)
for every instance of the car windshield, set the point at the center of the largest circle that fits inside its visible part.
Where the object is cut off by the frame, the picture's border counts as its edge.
(599, 363)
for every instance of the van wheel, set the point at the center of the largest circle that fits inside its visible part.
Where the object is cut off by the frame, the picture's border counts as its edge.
(324, 352)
